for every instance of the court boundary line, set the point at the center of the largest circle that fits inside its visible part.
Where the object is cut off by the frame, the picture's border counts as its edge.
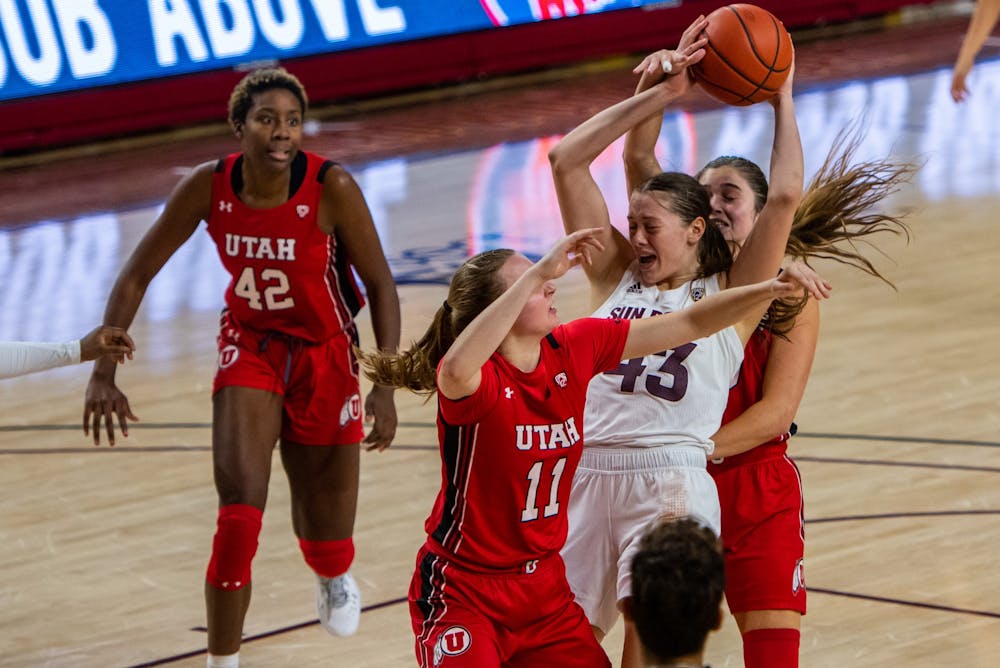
(885, 462)
(105, 448)
(902, 515)
(899, 601)
(396, 601)
(430, 425)
(259, 636)
(899, 439)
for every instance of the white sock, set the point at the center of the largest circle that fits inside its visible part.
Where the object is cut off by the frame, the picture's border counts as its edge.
(224, 660)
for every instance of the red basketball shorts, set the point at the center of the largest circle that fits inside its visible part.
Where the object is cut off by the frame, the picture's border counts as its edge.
(318, 381)
(762, 534)
(463, 619)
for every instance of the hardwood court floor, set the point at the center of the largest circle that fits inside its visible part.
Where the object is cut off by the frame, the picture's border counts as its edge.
(102, 551)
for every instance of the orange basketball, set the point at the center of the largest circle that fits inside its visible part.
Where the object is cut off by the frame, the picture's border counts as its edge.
(748, 55)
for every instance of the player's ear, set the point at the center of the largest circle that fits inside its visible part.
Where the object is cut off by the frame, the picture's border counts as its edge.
(696, 229)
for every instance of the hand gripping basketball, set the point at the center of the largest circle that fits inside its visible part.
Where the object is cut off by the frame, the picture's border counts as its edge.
(748, 56)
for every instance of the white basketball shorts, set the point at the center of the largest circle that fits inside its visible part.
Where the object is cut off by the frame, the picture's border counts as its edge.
(616, 494)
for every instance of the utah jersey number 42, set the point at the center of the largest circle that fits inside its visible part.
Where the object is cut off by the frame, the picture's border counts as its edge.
(272, 287)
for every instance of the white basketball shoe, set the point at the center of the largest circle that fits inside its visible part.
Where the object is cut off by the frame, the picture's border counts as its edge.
(338, 603)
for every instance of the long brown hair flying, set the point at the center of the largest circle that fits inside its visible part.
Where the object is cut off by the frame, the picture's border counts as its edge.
(838, 209)
(475, 285)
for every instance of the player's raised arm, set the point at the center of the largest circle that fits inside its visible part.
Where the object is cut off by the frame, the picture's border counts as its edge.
(671, 67)
(764, 250)
(580, 200)
(460, 371)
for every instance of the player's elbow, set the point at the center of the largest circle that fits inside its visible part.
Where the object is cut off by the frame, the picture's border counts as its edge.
(557, 158)
(780, 416)
(785, 195)
(132, 283)
(638, 160)
(381, 287)
(452, 373)
(563, 159)
(783, 420)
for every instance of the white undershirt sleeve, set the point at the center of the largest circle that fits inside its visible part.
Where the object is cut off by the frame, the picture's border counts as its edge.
(18, 358)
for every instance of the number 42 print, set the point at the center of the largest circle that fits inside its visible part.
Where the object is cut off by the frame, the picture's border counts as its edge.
(275, 284)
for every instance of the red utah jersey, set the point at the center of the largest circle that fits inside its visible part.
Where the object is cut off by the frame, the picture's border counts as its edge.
(747, 391)
(509, 451)
(287, 275)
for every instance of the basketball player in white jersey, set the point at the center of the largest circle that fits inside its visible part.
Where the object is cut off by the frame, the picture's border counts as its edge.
(648, 424)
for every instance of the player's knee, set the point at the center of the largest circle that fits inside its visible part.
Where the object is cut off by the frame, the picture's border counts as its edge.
(329, 558)
(234, 546)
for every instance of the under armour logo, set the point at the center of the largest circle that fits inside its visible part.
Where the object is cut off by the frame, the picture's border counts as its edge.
(225, 206)
(508, 392)
(302, 210)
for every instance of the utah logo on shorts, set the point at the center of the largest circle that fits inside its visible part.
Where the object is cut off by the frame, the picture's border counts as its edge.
(798, 577)
(228, 356)
(453, 641)
(351, 409)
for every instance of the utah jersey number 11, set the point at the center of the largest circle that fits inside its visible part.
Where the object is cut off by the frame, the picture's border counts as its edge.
(530, 511)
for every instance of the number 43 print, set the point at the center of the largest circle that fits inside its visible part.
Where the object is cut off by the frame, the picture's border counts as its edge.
(673, 366)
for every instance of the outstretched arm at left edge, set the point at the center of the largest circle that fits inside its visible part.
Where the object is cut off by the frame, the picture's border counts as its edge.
(18, 358)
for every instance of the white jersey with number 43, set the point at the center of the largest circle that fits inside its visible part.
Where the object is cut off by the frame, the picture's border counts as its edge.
(674, 397)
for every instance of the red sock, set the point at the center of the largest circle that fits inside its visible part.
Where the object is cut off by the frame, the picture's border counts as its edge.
(328, 558)
(771, 648)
